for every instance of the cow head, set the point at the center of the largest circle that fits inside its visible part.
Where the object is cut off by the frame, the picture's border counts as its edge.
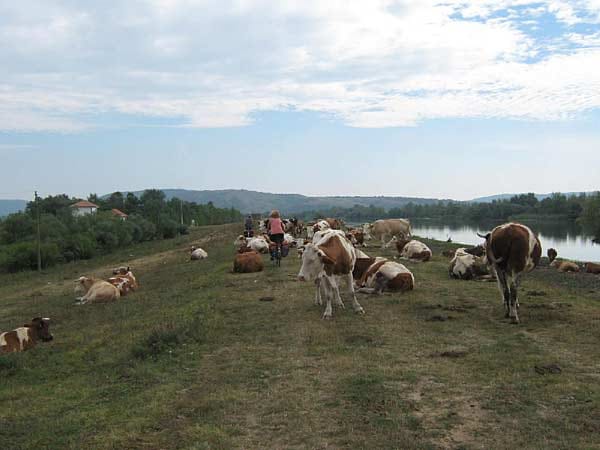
(40, 326)
(552, 254)
(82, 285)
(121, 270)
(313, 263)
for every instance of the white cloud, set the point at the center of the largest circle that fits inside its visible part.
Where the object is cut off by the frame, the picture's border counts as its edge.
(372, 64)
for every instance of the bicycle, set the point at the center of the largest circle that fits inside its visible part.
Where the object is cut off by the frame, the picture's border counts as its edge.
(276, 255)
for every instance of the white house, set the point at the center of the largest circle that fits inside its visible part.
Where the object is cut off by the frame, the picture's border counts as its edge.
(83, 208)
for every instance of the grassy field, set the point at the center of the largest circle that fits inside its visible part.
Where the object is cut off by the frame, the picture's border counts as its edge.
(195, 360)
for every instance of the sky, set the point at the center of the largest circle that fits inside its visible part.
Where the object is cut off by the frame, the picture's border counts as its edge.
(447, 99)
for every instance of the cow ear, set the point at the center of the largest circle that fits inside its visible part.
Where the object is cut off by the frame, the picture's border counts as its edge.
(326, 259)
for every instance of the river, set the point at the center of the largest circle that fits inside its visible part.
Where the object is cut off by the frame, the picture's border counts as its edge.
(567, 238)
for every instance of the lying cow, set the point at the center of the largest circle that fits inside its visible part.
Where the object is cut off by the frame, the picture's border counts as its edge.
(565, 266)
(466, 266)
(375, 275)
(26, 337)
(332, 257)
(591, 267)
(248, 262)
(125, 272)
(197, 254)
(411, 249)
(92, 290)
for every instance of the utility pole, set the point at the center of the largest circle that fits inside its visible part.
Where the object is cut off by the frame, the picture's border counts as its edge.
(39, 240)
(181, 210)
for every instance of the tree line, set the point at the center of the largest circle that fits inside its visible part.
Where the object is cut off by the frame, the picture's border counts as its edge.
(585, 209)
(65, 237)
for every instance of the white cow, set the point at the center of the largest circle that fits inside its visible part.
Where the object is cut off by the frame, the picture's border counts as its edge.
(197, 253)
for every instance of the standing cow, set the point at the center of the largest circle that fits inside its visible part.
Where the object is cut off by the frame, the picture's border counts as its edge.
(384, 229)
(511, 250)
(331, 257)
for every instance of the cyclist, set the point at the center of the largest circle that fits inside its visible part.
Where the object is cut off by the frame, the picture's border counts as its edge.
(275, 228)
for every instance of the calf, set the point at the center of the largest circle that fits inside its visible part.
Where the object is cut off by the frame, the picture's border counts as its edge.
(511, 250)
(197, 253)
(248, 262)
(26, 337)
(591, 267)
(331, 257)
(552, 254)
(94, 290)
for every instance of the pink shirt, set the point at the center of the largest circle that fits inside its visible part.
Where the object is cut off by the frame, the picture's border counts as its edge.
(276, 226)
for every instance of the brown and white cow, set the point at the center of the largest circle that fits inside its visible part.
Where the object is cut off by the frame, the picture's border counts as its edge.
(511, 250)
(356, 237)
(375, 275)
(332, 257)
(92, 290)
(26, 337)
(412, 249)
(197, 253)
(466, 266)
(552, 254)
(384, 229)
(591, 267)
(248, 262)
(125, 272)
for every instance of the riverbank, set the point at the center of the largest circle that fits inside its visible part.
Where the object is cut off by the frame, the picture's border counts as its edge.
(195, 359)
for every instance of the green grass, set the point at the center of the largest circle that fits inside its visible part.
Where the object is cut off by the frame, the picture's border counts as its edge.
(194, 360)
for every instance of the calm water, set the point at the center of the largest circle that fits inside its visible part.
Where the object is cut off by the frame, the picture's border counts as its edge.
(567, 239)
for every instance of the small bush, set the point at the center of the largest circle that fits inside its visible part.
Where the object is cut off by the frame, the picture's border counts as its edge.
(159, 341)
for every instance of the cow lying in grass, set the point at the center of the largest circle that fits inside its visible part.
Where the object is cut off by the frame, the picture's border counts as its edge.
(248, 262)
(467, 266)
(124, 280)
(412, 249)
(565, 266)
(591, 267)
(26, 337)
(92, 290)
(375, 275)
(197, 253)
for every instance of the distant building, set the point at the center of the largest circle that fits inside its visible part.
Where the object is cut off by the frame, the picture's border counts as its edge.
(84, 208)
(118, 213)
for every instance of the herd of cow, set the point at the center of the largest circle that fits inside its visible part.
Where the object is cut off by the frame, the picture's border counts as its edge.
(332, 256)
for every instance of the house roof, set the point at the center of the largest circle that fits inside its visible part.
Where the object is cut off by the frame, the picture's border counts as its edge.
(84, 204)
(118, 212)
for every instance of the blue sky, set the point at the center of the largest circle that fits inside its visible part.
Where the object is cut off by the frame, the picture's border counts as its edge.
(453, 99)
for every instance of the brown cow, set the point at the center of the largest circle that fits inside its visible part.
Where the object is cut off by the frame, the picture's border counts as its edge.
(591, 267)
(565, 266)
(552, 254)
(511, 250)
(248, 262)
(125, 272)
(26, 337)
(94, 290)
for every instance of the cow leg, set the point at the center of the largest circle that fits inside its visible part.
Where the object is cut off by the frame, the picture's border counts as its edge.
(350, 282)
(318, 300)
(336, 293)
(328, 293)
(514, 302)
(504, 290)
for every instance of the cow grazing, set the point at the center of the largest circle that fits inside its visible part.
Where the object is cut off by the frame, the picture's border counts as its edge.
(331, 257)
(511, 250)
(384, 229)
(591, 267)
(552, 254)
(565, 266)
(26, 337)
(197, 254)
(466, 266)
(95, 291)
(381, 275)
(248, 262)
(414, 250)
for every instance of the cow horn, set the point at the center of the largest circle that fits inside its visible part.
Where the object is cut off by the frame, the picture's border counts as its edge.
(482, 236)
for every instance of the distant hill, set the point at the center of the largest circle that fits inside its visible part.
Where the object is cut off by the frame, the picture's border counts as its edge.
(11, 206)
(257, 202)
(497, 197)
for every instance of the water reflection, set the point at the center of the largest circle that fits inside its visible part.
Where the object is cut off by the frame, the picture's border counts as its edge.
(567, 238)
